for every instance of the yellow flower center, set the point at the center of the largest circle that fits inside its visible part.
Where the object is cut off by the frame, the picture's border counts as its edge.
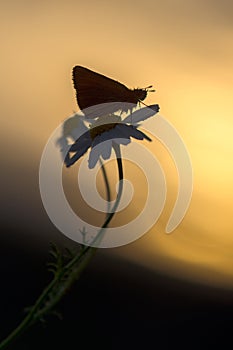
(104, 123)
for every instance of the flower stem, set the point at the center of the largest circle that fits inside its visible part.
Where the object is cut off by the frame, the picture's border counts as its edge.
(70, 272)
(107, 186)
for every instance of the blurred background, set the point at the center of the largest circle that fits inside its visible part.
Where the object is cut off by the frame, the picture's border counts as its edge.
(166, 289)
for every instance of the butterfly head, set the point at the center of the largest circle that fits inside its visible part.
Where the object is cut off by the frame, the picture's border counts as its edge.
(142, 93)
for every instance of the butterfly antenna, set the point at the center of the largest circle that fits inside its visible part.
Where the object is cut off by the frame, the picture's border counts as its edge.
(149, 87)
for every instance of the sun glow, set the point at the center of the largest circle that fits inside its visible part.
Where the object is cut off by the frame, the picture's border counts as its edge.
(187, 57)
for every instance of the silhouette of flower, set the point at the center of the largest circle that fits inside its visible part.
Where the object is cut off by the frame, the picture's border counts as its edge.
(102, 132)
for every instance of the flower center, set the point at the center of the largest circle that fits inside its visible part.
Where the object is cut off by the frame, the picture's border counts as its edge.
(104, 123)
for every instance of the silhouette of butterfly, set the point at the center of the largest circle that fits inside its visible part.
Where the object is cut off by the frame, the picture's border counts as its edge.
(99, 95)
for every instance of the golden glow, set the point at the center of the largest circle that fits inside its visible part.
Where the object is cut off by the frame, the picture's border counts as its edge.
(183, 48)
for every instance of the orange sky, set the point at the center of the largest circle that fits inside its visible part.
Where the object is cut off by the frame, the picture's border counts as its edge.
(183, 48)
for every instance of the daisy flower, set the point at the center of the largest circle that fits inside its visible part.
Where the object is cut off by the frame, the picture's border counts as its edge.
(103, 132)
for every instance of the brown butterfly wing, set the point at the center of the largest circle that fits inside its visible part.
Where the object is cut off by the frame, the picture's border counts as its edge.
(93, 89)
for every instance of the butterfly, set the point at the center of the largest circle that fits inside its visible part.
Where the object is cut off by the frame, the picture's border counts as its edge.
(99, 95)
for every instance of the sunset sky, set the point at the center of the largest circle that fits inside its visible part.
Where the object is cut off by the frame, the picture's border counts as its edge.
(185, 50)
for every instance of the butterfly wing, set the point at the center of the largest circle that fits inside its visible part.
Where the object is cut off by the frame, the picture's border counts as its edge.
(94, 89)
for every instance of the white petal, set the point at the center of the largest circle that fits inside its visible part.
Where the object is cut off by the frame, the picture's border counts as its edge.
(106, 148)
(142, 114)
(93, 157)
(122, 141)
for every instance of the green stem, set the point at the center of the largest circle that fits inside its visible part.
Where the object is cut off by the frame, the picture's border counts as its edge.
(82, 259)
(107, 186)
(109, 217)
